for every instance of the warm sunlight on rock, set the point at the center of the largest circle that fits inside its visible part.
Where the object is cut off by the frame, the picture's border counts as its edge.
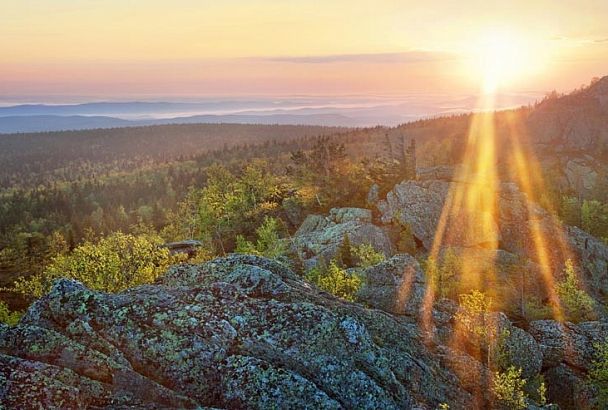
(348, 204)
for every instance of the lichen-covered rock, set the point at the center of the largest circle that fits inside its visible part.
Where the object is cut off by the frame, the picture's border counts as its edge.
(321, 237)
(592, 254)
(568, 343)
(396, 285)
(343, 215)
(518, 227)
(419, 204)
(236, 332)
(569, 388)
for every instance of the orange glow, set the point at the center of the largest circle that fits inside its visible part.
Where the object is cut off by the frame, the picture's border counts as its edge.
(186, 47)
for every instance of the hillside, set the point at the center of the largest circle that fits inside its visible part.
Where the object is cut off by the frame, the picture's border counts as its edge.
(252, 266)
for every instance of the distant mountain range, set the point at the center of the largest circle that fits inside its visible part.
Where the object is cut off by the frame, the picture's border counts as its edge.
(328, 111)
(45, 123)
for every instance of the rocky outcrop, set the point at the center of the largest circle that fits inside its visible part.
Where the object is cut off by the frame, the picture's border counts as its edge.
(517, 226)
(238, 332)
(572, 133)
(396, 285)
(581, 174)
(187, 247)
(247, 332)
(568, 352)
(320, 236)
(561, 352)
(420, 204)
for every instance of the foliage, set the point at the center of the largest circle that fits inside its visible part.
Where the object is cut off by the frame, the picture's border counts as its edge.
(335, 280)
(344, 255)
(542, 391)
(473, 307)
(590, 215)
(7, 317)
(268, 242)
(501, 358)
(442, 274)
(365, 256)
(576, 303)
(570, 211)
(112, 264)
(508, 388)
(231, 204)
(594, 218)
(598, 374)
(536, 310)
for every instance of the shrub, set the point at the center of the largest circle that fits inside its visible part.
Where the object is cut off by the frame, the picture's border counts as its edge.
(268, 243)
(536, 310)
(7, 317)
(577, 304)
(508, 388)
(366, 256)
(473, 307)
(570, 211)
(594, 218)
(442, 273)
(598, 374)
(335, 280)
(345, 256)
(112, 264)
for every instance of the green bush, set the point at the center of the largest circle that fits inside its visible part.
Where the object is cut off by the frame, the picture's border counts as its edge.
(365, 256)
(112, 264)
(598, 375)
(335, 280)
(268, 243)
(508, 388)
(536, 310)
(443, 272)
(577, 304)
(594, 218)
(7, 317)
(345, 253)
(570, 211)
(473, 307)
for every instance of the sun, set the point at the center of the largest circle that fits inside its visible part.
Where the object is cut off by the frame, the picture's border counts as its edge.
(503, 57)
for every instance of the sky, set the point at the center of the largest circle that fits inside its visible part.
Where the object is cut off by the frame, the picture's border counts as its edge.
(117, 49)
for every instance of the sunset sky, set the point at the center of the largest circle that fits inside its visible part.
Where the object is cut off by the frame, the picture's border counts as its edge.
(188, 48)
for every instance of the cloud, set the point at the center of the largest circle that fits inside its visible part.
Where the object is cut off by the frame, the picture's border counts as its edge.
(406, 57)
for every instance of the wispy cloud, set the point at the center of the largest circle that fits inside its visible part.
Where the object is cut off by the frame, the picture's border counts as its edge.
(406, 57)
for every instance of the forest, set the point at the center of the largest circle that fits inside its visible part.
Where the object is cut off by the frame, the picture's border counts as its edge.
(105, 206)
(213, 183)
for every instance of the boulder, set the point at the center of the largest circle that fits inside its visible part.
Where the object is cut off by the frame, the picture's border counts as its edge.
(396, 285)
(581, 174)
(569, 389)
(568, 343)
(373, 195)
(188, 247)
(592, 254)
(420, 204)
(321, 237)
(440, 172)
(236, 332)
(518, 227)
(344, 215)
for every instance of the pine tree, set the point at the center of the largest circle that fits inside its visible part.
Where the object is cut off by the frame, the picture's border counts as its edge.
(345, 255)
